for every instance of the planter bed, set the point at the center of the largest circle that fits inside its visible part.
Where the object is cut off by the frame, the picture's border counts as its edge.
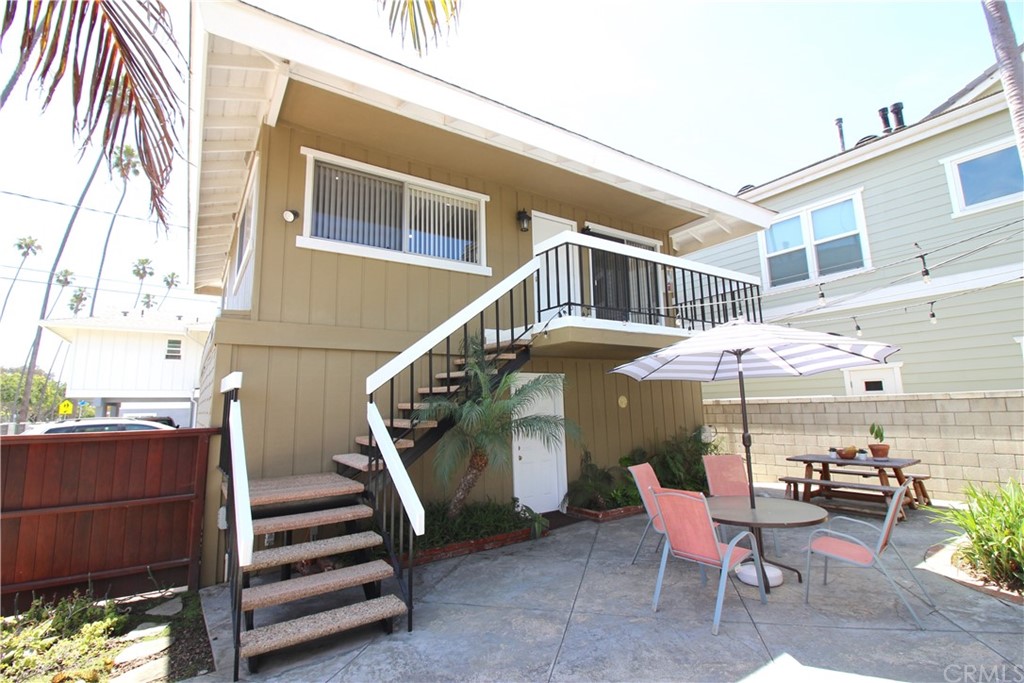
(444, 552)
(604, 515)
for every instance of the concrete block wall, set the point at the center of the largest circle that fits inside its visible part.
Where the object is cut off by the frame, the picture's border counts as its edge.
(960, 438)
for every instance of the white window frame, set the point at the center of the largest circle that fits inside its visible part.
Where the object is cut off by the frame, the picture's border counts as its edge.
(807, 232)
(307, 241)
(243, 252)
(629, 237)
(889, 373)
(956, 194)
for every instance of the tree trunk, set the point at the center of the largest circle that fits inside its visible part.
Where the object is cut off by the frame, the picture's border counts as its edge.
(11, 288)
(1004, 44)
(33, 354)
(474, 470)
(106, 243)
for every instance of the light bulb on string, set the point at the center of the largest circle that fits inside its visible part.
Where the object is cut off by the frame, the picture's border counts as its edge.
(821, 297)
(931, 314)
(856, 326)
(926, 275)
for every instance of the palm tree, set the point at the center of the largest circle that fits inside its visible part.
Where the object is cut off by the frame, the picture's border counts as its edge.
(171, 280)
(63, 278)
(126, 164)
(28, 246)
(1004, 43)
(485, 422)
(141, 269)
(77, 302)
(122, 51)
(408, 15)
(148, 301)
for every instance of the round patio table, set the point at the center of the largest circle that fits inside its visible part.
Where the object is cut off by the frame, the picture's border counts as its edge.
(768, 513)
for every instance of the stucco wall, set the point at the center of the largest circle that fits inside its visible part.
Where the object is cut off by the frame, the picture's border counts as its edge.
(960, 438)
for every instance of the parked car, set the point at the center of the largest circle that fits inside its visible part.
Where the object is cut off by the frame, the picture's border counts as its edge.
(95, 424)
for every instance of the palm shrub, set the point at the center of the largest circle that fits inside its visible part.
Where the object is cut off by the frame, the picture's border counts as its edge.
(678, 461)
(993, 523)
(485, 420)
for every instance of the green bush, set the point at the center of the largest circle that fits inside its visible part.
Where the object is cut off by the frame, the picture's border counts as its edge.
(477, 520)
(600, 488)
(677, 461)
(993, 523)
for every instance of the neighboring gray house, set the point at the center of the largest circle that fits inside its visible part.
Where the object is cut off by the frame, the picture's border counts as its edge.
(856, 232)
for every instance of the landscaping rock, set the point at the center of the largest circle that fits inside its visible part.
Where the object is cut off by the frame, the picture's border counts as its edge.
(141, 650)
(145, 630)
(167, 609)
(150, 671)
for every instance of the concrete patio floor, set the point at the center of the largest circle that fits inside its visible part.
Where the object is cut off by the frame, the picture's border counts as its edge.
(571, 607)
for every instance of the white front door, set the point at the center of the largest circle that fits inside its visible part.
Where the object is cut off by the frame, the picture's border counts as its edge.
(558, 278)
(538, 473)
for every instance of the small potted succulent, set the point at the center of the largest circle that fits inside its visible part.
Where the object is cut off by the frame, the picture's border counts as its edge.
(878, 450)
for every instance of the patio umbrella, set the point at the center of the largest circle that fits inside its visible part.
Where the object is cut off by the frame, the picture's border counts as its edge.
(741, 349)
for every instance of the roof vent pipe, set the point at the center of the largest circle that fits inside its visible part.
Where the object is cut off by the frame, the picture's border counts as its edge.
(897, 116)
(884, 113)
(842, 140)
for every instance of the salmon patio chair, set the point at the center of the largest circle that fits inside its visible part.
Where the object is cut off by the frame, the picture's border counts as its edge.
(727, 476)
(646, 479)
(690, 535)
(833, 545)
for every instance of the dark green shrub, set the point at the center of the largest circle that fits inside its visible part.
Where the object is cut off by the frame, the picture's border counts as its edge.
(993, 523)
(677, 461)
(597, 486)
(477, 520)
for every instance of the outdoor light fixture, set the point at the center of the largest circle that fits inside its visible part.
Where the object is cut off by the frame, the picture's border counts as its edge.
(290, 215)
(523, 216)
(931, 313)
(821, 297)
(925, 274)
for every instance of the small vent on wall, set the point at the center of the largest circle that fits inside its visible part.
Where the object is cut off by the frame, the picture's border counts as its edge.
(173, 349)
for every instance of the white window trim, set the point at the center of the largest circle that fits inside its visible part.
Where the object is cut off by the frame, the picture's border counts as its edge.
(307, 241)
(180, 349)
(895, 369)
(250, 240)
(956, 194)
(804, 212)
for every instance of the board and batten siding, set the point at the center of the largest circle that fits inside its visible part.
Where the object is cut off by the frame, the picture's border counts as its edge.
(906, 200)
(130, 364)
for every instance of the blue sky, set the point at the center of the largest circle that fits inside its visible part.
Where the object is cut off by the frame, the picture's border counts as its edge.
(726, 93)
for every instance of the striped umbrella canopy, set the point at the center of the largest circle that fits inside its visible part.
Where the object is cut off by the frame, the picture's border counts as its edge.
(741, 349)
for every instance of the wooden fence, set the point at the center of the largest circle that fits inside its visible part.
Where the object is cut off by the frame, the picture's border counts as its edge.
(118, 512)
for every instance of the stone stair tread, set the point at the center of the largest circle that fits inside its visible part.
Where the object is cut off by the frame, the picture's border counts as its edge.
(311, 550)
(284, 634)
(488, 357)
(446, 389)
(521, 343)
(301, 487)
(411, 406)
(279, 592)
(400, 444)
(356, 461)
(406, 423)
(307, 520)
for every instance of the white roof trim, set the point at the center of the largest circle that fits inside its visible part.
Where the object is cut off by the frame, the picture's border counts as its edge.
(314, 57)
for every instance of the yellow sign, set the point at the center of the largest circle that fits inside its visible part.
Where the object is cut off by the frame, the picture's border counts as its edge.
(65, 408)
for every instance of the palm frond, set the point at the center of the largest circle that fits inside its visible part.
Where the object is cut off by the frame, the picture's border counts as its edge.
(120, 53)
(408, 17)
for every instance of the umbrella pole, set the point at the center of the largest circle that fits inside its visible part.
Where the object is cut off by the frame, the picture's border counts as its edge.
(746, 428)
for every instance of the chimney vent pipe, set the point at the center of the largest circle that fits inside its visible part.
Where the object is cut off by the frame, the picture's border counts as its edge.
(842, 139)
(897, 115)
(884, 114)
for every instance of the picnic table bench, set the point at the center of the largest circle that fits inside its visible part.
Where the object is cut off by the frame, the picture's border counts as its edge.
(849, 487)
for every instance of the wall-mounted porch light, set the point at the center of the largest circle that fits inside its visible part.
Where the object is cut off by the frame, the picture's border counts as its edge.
(523, 217)
(290, 215)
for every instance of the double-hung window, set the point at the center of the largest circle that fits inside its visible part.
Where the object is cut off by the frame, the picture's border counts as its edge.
(355, 208)
(814, 242)
(985, 177)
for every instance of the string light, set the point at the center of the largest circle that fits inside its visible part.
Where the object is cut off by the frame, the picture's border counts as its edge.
(931, 313)
(856, 326)
(925, 273)
(821, 297)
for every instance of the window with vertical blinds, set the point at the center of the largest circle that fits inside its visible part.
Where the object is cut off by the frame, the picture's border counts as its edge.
(355, 204)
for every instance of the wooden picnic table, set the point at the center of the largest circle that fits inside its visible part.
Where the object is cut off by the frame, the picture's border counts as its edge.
(852, 485)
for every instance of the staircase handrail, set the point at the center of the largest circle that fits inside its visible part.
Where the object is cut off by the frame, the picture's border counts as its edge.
(240, 488)
(400, 362)
(399, 476)
(584, 240)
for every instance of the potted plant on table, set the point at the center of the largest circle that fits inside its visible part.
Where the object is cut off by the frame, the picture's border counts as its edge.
(878, 450)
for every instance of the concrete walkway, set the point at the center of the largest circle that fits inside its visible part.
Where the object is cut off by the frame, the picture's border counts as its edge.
(571, 607)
